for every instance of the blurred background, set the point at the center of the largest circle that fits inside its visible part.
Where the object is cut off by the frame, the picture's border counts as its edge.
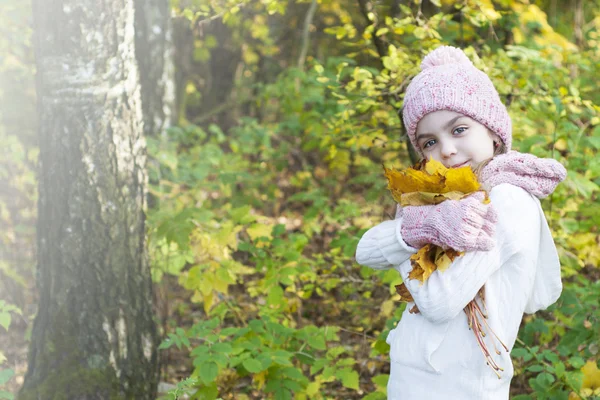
(259, 130)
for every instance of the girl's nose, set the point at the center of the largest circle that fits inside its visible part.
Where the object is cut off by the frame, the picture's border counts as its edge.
(447, 149)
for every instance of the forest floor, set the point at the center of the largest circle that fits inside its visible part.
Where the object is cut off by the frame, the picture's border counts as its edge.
(14, 344)
(174, 309)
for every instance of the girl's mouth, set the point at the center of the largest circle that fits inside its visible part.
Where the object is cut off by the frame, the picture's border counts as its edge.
(460, 165)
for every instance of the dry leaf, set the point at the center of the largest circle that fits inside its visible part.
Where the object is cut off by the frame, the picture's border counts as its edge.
(412, 180)
(430, 258)
(432, 167)
(423, 263)
(405, 295)
(431, 179)
(426, 198)
(443, 258)
(462, 180)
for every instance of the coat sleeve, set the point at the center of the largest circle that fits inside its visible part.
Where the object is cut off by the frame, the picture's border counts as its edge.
(445, 294)
(382, 247)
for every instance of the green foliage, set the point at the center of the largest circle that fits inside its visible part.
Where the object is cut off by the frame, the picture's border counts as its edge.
(275, 356)
(18, 152)
(5, 313)
(6, 374)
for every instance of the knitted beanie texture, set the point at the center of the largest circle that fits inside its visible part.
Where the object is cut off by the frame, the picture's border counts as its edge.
(449, 81)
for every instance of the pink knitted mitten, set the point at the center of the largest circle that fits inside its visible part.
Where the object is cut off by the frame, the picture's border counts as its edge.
(463, 225)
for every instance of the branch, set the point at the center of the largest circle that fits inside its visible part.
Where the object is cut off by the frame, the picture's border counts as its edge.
(367, 7)
(306, 32)
(204, 21)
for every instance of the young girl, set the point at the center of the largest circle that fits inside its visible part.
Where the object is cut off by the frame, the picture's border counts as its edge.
(453, 114)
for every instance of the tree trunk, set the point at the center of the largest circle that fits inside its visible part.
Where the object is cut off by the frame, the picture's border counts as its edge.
(94, 336)
(154, 52)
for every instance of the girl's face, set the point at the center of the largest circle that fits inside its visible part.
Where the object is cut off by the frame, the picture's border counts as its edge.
(454, 139)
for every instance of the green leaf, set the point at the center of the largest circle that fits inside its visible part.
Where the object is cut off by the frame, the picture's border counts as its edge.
(292, 385)
(318, 365)
(252, 365)
(294, 373)
(256, 326)
(519, 352)
(576, 362)
(535, 368)
(265, 360)
(279, 391)
(381, 347)
(381, 381)
(284, 361)
(5, 320)
(349, 378)
(5, 375)
(375, 396)
(317, 342)
(6, 395)
(222, 348)
(208, 372)
(208, 392)
(551, 357)
(560, 370)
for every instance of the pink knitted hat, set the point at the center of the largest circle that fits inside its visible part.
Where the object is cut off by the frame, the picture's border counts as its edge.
(449, 81)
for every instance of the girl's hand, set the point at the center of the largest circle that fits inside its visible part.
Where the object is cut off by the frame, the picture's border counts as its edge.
(463, 225)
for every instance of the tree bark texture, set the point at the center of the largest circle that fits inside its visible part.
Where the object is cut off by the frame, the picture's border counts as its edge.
(94, 336)
(154, 52)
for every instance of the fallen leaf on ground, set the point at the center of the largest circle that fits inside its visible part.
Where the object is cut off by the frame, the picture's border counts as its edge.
(591, 375)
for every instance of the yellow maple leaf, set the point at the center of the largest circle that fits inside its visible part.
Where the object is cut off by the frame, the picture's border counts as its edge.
(461, 180)
(412, 180)
(591, 375)
(443, 258)
(423, 264)
(431, 177)
(432, 167)
(431, 258)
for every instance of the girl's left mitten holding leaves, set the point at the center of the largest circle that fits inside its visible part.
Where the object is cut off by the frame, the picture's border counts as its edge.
(463, 225)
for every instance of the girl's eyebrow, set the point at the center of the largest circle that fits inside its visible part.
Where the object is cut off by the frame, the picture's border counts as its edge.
(452, 121)
(446, 126)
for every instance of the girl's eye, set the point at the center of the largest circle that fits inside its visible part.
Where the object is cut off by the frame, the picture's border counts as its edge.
(459, 130)
(429, 143)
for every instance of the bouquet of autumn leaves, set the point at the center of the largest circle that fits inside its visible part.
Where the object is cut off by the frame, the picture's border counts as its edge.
(430, 183)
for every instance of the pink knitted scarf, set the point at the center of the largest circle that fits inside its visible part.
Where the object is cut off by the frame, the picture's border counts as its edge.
(538, 176)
